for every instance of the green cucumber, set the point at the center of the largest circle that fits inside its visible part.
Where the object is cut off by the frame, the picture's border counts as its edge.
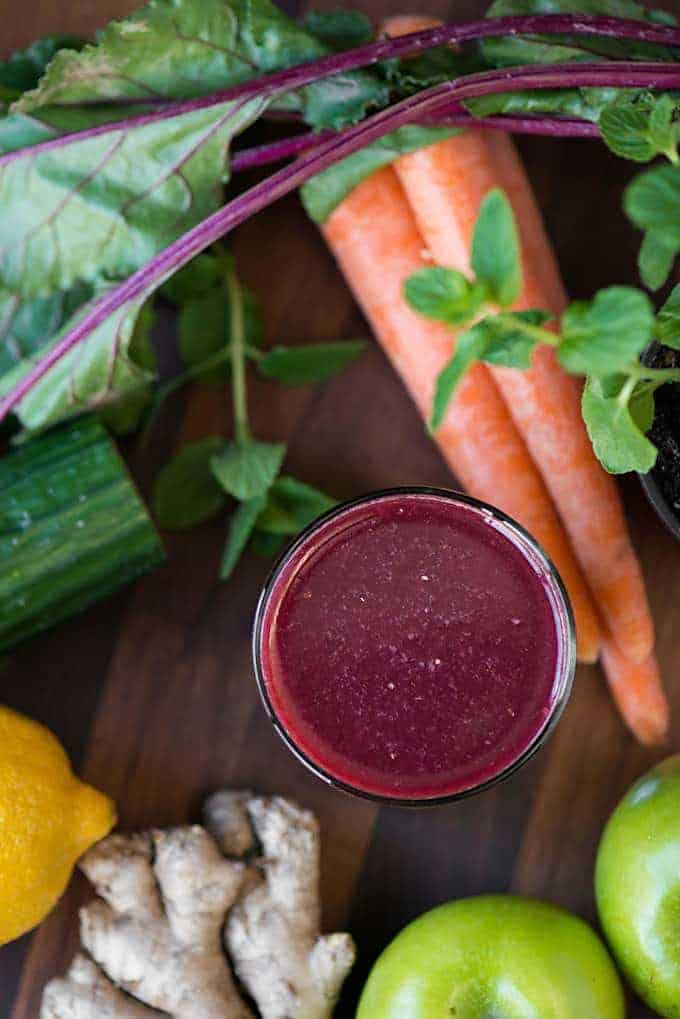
(73, 528)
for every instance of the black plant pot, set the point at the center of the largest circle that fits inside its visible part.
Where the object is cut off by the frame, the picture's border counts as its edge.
(652, 483)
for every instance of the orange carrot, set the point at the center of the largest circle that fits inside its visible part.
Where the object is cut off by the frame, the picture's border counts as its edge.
(375, 239)
(639, 695)
(445, 184)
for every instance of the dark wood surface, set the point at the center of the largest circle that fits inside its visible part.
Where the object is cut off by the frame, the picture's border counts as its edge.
(153, 694)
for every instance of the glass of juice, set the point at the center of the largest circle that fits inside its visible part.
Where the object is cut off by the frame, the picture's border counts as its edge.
(414, 646)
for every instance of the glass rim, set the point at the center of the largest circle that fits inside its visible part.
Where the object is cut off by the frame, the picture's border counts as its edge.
(564, 672)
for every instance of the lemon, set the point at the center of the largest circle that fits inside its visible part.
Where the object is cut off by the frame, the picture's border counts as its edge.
(48, 818)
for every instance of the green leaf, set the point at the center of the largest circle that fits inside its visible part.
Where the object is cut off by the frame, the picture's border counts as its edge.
(202, 274)
(246, 470)
(203, 330)
(267, 545)
(78, 213)
(619, 443)
(241, 527)
(606, 334)
(95, 373)
(668, 321)
(339, 29)
(328, 189)
(639, 130)
(652, 202)
(582, 103)
(432, 67)
(495, 249)
(26, 326)
(124, 415)
(445, 295)
(181, 48)
(641, 408)
(291, 506)
(508, 343)
(23, 70)
(185, 492)
(317, 362)
(655, 260)
(470, 347)
(555, 49)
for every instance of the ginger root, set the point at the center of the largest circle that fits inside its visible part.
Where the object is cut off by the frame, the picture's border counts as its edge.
(153, 940)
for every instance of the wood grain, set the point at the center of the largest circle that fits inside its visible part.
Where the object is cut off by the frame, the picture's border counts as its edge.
(153, 692)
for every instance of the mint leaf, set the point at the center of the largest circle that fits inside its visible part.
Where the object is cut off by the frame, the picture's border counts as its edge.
(619, 443)
(508, 344)
(202, 330)
(655, 260)
(247, 470)
(328, 189)
(470, 347)
(339, 29)
(241, 527)
(267, 545)
(185, 492)
(652, 202)
(444, 294)
(305, 365)
(203, 273)
(495, 249)
(668, 321)
(606, 334)
(291, 506)
(642, 129)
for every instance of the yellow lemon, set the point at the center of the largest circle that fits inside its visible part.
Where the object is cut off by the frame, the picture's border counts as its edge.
(48, 818)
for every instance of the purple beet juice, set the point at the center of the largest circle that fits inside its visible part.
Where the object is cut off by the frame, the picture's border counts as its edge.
(414, 646)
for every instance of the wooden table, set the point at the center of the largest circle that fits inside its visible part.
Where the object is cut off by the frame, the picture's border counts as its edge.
(153, 691)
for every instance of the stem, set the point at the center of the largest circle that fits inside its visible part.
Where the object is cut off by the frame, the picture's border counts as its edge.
(536, 333)
(180, 252)
(640, 372)
(238, 359)
(626, 391)
(456, 116)
(403, 46)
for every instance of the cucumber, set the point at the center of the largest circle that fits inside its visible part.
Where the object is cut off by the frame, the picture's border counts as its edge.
(73, 528)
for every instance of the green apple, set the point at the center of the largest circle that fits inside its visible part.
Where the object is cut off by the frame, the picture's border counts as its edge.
(637, 884)
(494, 957)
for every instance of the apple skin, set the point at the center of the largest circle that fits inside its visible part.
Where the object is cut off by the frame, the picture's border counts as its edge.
(494, 957)
(637, 885)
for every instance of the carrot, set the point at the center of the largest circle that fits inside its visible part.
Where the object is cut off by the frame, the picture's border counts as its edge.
(445, 184)
(636, 688)
(374, 237)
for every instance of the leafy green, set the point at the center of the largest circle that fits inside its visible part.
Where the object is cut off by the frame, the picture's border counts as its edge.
(247, 469)
(507, 51)
(668, 321)
(618, 441)
(495, 249)
(445, 295)
(185, 492)
(606, 334)
(26, 326)
(304, 365)
(23, 69)
(97, 372)
(509, 343)
(326, 191)
(202, 330)
(79, 213)
(241, 527)
(124, 415)
(202, 274)
(181, 49)
(652, 202)
(469, 348)
(292, 505)
(583, 103)
(339, 29)
(640, 130)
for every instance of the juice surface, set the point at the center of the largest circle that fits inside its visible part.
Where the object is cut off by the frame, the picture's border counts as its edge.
(409, 647)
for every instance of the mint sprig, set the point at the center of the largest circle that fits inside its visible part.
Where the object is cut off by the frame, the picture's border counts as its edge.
(601, 339)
